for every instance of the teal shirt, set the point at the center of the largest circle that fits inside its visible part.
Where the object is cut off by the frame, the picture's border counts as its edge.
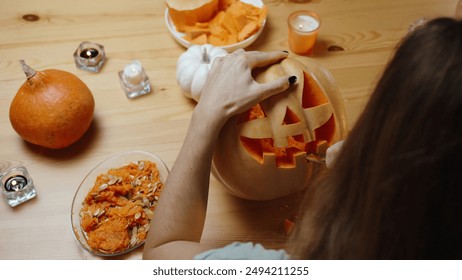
(242, 251)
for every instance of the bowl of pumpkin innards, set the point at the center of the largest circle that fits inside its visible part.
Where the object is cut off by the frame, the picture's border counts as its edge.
(115, 203)
(231, 24)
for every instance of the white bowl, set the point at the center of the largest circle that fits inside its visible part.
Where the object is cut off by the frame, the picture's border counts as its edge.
(178, 36)
(87, 184)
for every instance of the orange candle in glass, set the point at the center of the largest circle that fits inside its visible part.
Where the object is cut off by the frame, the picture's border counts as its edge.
(303, 31)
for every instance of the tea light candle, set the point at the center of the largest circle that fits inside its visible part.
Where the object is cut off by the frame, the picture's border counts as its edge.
(134, 80)
(15, 183)
(303, 31)
(133, 73)
(89, 56)
(89, 53)
(305, 23)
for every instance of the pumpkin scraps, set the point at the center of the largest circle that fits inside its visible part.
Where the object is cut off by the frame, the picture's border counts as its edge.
(231, 24)
(116, 213)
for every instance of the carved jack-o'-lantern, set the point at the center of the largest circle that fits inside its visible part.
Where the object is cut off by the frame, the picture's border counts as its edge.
(264, 153)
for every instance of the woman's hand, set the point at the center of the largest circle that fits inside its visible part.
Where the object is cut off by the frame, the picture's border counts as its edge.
(230, 88)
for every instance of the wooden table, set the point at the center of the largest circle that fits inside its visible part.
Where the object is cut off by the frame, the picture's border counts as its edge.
(356, 40)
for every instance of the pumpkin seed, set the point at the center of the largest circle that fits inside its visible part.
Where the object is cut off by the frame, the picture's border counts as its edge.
(146, 202)
(149, 213)
(154, 188)
(134, 239)
(103, 187)
(113, 179)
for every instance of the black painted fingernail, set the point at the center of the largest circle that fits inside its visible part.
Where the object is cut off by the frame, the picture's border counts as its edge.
(292, 80)
(286, 51)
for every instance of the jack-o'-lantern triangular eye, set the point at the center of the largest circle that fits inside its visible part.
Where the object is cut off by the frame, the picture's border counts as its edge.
(290, 117)
(313, 95)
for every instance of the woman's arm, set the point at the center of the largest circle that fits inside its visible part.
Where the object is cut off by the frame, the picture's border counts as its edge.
(179, 218)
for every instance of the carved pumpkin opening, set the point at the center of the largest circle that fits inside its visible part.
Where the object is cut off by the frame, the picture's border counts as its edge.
(257, 148)
(312, 93)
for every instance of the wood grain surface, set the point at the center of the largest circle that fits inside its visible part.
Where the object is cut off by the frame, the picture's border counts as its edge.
(355, 42)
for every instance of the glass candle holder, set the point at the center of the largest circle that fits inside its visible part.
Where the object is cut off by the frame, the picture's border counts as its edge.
(134, 80)
(303, 31)
(16, 184)
(89, 56)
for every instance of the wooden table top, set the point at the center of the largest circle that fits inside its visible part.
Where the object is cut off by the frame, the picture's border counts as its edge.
(355, 42)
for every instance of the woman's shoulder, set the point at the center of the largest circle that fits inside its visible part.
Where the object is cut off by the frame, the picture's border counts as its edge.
(242, 251)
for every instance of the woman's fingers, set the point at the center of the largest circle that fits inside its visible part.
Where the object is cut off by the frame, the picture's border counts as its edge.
(260, 59)
(276, 86)
(253, 59)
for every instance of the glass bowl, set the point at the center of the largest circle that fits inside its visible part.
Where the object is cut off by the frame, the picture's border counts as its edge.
(178, 36)
(116, 161)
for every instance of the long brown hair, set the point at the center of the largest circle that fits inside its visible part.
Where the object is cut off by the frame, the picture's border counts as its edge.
(395, 190)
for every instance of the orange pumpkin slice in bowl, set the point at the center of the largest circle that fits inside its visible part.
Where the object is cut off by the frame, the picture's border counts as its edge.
(235, 24)
(188, 12)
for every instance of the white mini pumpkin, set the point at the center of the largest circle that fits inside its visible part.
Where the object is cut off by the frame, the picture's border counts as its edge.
(193, 67)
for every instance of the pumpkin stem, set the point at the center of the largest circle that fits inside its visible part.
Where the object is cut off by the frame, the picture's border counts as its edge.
(205, 57)
(30, 72)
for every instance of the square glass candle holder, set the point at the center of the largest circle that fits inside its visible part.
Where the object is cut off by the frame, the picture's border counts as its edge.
(16, 184)
(134, 80)
(89, 56)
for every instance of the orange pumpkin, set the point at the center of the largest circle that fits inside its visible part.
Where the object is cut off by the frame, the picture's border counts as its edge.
(52, 109)
(262, 153)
